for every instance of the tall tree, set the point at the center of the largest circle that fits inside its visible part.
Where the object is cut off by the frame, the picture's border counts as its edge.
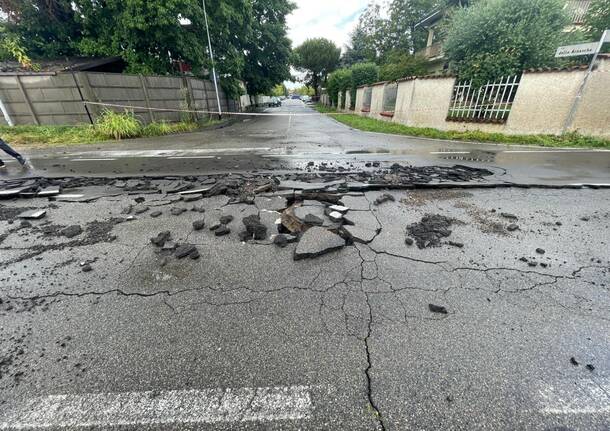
(318, 57)
(368, 40)
(46, 28)
(401, 32)
(268, 49)
(495, 38)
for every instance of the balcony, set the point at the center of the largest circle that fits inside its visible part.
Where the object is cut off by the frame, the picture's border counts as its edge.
(432, 52)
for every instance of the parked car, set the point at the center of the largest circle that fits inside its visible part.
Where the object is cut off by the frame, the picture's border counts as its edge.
(306, 99)
(275, 102)
(295, 97)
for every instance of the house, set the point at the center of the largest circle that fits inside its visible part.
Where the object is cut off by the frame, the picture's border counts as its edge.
(433, 52)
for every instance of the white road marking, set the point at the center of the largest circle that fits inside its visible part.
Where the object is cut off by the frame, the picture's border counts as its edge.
(590, 396)
(553, 151)
(167, 153)
(190, 157)
(92, 160)
(450, 152)
(208, 406)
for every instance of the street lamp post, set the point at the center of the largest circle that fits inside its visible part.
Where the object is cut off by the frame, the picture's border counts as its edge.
(207, 29)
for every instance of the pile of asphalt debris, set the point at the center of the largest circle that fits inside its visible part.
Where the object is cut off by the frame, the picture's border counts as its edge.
(248, 185)
(308, 208)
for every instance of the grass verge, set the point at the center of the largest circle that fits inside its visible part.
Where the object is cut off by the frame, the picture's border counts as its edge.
(373, 125)
(50, 136)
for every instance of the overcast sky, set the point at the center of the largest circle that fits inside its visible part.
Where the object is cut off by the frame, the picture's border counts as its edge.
(332, 19)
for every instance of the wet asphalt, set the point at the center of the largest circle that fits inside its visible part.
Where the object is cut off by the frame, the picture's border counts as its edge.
(300, 135)
(345, 341)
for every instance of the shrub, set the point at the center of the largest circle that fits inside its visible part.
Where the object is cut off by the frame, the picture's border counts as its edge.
(362, 73)
(401, 65)
(117, 126)
(339, 82)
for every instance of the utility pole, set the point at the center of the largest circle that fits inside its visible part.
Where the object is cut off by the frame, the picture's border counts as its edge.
(572, 114)
(207, 29)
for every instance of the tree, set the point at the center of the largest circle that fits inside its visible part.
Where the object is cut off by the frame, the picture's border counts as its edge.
(598, 19)
(367, 40)
(268, 49)
(402, 65)
(279, 90)
(338, 82)
(401, 33)
(45, 28)
(495, 38)
(318, 57)
(363, 73)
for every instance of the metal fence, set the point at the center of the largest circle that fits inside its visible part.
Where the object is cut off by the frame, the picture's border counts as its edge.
(490, 103)
(577, 10)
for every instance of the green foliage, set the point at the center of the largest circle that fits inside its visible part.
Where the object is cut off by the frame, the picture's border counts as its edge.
(375, 37)
(117, 126)
(11, 48)
(318, 57)
(279, 90)
(598, 18)
(154, 36)
(72, 135)
(338, 82)
(47, 28)
(268, 48)
(363, 73)
(401, 65)
(373, 125)
(495, 38)
(304, 90)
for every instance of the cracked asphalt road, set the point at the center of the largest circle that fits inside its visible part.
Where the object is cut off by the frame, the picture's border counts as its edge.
(246, 337)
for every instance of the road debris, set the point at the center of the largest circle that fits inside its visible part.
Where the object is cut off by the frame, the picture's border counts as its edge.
(254, 229)
(198, 224)
(72, 231)
(316, 242)
(33, 215)
(430, 230)
(437, 309)
(184, 250)
(384, 198)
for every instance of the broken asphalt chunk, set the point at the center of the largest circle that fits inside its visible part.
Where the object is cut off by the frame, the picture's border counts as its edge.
(384, 198)
(437, 309)
(72, 231)
(33, 215)
(161, 238)
(198, 224)
(429, 231)
(156, 214)
(184, 250)
(177, 211)
(316, 242)
(254, 228)
(359, 234)
(313, 220)
(222, 231)
(226, 219)
(509, 216)
(512, 227)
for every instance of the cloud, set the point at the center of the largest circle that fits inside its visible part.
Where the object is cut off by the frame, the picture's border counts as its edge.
(332, 19)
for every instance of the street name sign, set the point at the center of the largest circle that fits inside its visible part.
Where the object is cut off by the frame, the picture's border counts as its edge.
(575, 50)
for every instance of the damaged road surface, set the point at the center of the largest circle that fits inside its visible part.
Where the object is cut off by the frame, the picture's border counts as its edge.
(390, 299)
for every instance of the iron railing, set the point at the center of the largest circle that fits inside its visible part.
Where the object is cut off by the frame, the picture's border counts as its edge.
(490, 103)
(577, 10)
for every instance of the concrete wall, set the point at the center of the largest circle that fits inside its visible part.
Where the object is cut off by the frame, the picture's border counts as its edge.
(348, 101)
(359, 100)
(541, 105)
(58, 98)
(377, 102)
